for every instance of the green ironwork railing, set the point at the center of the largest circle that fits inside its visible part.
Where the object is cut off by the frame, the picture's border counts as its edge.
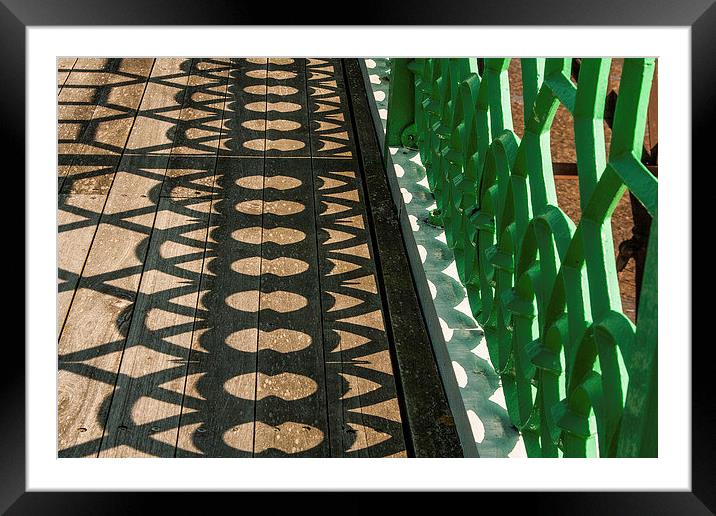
(580, 379)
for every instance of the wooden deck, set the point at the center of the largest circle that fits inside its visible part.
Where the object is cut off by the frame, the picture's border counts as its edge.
(220, 293)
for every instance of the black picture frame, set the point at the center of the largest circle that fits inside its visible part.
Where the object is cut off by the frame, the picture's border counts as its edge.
(700, 15)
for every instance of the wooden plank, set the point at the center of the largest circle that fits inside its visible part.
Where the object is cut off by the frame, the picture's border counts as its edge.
(286, 113)
(291, 417)
(97, 106)
(153, 132)
(362, 398)
(144, 415)
(98, 129)
(77, 220)
(244, 123)
(218, 411)
(189, 176)
(64, 67)
(88, 174)
(85, 179)
(430, 422)
(287, 382)
(92, 340)
(78, 100)
(330, 124)
(199, 127)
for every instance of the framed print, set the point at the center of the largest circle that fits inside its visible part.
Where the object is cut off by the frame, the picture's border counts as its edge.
(324, 242)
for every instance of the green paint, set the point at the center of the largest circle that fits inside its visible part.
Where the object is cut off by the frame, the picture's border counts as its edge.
(401, 106)
(579, 378)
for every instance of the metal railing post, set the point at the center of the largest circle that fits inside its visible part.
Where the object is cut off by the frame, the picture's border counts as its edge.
(401, 101)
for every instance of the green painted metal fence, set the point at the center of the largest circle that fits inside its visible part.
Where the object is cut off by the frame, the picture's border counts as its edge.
(580, 379)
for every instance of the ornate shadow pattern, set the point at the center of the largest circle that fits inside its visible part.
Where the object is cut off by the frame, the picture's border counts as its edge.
(18, 15)
(217, 294)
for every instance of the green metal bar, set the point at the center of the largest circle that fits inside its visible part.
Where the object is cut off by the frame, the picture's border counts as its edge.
(401, 101)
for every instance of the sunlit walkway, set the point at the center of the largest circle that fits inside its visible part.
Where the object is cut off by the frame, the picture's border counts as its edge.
(218, 288)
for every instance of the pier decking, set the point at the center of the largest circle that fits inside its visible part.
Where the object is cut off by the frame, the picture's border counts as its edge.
(222, 292)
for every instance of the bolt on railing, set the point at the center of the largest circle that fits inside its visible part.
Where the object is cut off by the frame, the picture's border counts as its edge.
(579, 378)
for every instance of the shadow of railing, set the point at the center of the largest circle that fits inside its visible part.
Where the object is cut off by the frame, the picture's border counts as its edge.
(174, 238)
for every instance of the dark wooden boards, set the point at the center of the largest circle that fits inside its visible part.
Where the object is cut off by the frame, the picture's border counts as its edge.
(126, 329)
(147, 400)
(92, 340)
(362, 399)
(291, 414)
(199, 127)
(218, 409)
(364, 412)
(97, 107)
(230, 302)
(244, 125)
(286, 113)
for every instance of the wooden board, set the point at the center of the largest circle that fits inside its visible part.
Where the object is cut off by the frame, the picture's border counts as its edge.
(331, 132)
(286, 113)
(291, 417)
(198, 129)
(92, 341)
(189, 176)
(146, 408)
(144, 415)
(96, 102)
(95, 119)
(244, 123)
(161, 107)
(64, 67)
(362, 398)
(218, 411)
(77, 220)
